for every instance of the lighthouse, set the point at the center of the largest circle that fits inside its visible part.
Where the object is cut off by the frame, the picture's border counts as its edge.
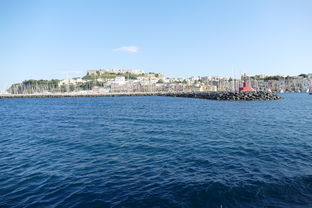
(244, 88)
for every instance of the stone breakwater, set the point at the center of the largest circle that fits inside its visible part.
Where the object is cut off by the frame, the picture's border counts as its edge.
(233, 96)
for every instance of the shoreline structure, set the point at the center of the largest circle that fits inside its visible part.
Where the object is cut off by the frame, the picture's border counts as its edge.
(230, 96)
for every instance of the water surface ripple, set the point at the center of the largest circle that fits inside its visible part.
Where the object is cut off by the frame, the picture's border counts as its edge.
(155, 152)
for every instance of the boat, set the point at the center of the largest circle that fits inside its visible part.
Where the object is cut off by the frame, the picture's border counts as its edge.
(310, 88)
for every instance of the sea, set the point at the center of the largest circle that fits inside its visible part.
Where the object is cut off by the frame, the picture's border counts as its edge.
(155, 152)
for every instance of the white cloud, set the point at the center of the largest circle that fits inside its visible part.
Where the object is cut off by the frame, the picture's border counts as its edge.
(129, 49)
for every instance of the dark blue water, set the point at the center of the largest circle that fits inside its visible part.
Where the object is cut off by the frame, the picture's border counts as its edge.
(155, 152)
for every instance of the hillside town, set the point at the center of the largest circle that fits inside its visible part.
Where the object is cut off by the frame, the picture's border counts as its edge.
(134, 80)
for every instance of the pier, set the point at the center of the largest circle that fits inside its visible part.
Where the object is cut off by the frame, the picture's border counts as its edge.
(231, 96)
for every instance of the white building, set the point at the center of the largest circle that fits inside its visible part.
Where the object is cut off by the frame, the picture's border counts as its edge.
(71, 81)
(120, 80)
(115, 71)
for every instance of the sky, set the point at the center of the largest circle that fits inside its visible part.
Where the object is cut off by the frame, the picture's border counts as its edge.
(64, 38)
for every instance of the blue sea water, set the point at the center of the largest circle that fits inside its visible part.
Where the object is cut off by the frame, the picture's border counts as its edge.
(155, 152)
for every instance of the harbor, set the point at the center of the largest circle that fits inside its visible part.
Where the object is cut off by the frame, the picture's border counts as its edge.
(114, 146)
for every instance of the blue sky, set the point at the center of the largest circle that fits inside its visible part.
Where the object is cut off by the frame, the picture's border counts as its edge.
(59, 39)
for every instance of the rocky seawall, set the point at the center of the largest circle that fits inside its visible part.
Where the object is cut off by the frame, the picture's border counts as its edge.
(233, 96)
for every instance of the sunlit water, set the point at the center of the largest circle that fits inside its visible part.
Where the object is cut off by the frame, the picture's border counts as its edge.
(156, 152)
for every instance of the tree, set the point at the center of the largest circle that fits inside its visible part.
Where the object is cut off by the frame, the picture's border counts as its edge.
(160, 81)
(34, 86)
(303, 75)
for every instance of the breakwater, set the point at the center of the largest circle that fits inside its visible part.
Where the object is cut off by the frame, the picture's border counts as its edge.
(64, 95)
(233, 96)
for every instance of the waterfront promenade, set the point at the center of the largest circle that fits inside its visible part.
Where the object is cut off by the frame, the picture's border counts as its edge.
(235, 96)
